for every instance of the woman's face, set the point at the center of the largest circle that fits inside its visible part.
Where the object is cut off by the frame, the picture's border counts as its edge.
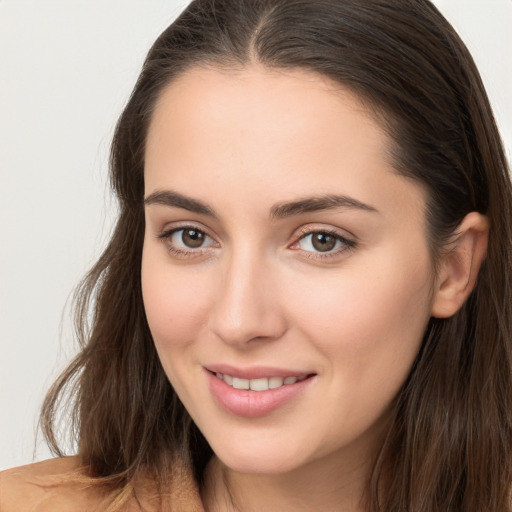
(280, 245)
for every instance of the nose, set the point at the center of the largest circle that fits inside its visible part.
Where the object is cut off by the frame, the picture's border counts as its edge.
(247, 306)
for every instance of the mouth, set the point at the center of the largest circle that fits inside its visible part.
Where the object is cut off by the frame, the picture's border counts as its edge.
(256, 392)
(260, 384)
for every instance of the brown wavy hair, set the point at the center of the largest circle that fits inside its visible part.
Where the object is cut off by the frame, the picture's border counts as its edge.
(450, 439)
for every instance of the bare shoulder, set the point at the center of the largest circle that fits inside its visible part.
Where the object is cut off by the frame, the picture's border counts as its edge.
(46, 486)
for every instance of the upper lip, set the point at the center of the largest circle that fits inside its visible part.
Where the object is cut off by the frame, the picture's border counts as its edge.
(256, 372)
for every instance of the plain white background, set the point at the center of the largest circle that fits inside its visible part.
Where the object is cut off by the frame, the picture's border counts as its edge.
(66, 70)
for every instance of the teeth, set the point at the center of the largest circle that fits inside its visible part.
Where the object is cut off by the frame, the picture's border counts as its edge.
(258, 384)
(240, 383)
(275, 382)
(262, 384)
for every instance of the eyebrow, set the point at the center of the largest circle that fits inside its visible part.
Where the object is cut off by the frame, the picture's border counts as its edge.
(318, 203)
(278, 211)
(174, 199)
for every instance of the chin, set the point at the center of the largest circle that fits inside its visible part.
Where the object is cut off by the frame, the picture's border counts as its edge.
(261, 458)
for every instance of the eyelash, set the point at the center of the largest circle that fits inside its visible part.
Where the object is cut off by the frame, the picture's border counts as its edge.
(347, 244)
(166, 237)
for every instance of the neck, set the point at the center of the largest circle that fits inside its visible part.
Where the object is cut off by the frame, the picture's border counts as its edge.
(321, 485)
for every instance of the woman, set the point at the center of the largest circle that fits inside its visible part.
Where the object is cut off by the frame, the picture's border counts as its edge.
(305, 304)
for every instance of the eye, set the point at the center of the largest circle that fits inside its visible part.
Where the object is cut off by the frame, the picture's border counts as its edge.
(186, 241)
(323, 243)
(189, 238)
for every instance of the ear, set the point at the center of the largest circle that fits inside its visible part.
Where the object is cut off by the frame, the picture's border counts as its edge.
(458, 268)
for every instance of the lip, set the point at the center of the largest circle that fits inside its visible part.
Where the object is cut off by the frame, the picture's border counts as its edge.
(256, 372)
(253, 404)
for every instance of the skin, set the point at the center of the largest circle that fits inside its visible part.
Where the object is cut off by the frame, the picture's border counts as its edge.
(258, 293)
(255, 291)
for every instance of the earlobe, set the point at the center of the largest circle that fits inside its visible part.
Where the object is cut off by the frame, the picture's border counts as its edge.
(458, 268)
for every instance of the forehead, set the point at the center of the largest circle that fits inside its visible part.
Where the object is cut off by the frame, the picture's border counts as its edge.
(221, 92)
(279, 134)
(218, 109)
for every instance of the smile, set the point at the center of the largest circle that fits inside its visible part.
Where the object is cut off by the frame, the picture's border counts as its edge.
(261, 384)
(259, 395)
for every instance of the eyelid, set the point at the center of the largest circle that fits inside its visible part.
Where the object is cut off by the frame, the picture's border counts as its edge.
(166, 234)
(349, 242)
(177, 226)
(322, 228)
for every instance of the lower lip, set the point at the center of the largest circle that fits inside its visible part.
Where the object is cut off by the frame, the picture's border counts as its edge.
(253, 404)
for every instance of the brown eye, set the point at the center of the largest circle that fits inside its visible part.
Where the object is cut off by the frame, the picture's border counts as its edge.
(186, 239)
(192, 238)
(323, 242)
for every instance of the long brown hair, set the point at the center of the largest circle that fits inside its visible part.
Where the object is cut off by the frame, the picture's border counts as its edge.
(449, 444)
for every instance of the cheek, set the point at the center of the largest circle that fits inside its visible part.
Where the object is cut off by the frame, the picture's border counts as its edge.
(367, 317)
(176, 305)
(368, 328)
(176, 301)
